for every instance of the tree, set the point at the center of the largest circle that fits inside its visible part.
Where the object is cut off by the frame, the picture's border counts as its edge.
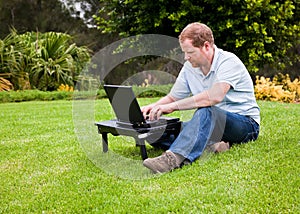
(260, 32)
(84, 9)
(55, 15)
(33, 15)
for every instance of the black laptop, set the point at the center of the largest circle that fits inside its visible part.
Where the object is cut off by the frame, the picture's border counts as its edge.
(127, 109)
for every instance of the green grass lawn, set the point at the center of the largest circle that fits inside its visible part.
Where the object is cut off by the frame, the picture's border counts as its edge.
(46, 167)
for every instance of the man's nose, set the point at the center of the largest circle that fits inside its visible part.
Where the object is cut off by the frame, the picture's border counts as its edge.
(186, 57)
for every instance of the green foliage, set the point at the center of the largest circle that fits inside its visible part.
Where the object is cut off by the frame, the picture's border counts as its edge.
(57, 61)
(41, 60)
(34, 95)
(65, 92)
(152, 90)
(132, 17)
(41, 15)
(260, 32)
(15, 56)
(56, 15)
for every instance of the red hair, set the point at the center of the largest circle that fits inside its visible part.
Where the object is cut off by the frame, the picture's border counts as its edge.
(198, 33)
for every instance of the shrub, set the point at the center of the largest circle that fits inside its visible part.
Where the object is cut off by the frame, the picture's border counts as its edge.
(41, 60)
(34, 95)
(280, 88)
(66, 92)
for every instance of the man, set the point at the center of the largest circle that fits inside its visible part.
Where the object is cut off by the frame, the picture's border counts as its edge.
(215, 83)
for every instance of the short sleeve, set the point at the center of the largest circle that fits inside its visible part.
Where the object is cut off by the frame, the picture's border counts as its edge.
(230, 71)
(181, 88)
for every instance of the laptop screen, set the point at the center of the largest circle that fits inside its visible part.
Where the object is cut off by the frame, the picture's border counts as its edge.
(124, 103)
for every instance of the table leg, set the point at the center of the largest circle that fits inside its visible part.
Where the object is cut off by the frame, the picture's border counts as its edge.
(104, 142)
(141, 144)
(143, 152)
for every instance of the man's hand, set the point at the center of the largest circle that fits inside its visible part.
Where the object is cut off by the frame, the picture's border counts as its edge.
(146, 110)
(155, 110)
(159, 110)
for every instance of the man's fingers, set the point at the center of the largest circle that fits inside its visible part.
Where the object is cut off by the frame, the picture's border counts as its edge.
(145, 110)
(155, 113)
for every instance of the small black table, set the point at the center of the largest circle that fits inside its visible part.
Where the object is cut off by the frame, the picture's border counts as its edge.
(139, 134)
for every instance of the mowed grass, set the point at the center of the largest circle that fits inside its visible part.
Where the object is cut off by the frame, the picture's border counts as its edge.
(45, 168)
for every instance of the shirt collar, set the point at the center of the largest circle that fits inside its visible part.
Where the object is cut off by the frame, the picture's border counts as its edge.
(215, 59)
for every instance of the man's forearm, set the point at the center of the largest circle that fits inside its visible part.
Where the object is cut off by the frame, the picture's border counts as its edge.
(193, 102)
(209, 97)
(165, 100)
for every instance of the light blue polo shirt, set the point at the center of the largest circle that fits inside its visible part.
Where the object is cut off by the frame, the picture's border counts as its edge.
(226, 67)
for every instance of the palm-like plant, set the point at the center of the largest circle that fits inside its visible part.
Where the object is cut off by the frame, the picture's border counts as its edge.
(57, 61)
(14, 61)
(43, 61)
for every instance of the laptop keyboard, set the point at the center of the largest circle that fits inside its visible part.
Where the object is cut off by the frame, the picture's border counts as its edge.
(147, 124)
(160, 120)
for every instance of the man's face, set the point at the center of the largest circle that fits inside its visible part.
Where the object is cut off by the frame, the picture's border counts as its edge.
(197, 56)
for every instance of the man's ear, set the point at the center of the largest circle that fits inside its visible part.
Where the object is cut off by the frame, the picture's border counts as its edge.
(207, 45)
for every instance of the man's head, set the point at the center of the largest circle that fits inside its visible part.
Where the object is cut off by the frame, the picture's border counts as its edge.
(197, 43)
(197, 32)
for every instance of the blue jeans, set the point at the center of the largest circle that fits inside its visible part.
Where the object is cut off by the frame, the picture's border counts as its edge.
(208, 126)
